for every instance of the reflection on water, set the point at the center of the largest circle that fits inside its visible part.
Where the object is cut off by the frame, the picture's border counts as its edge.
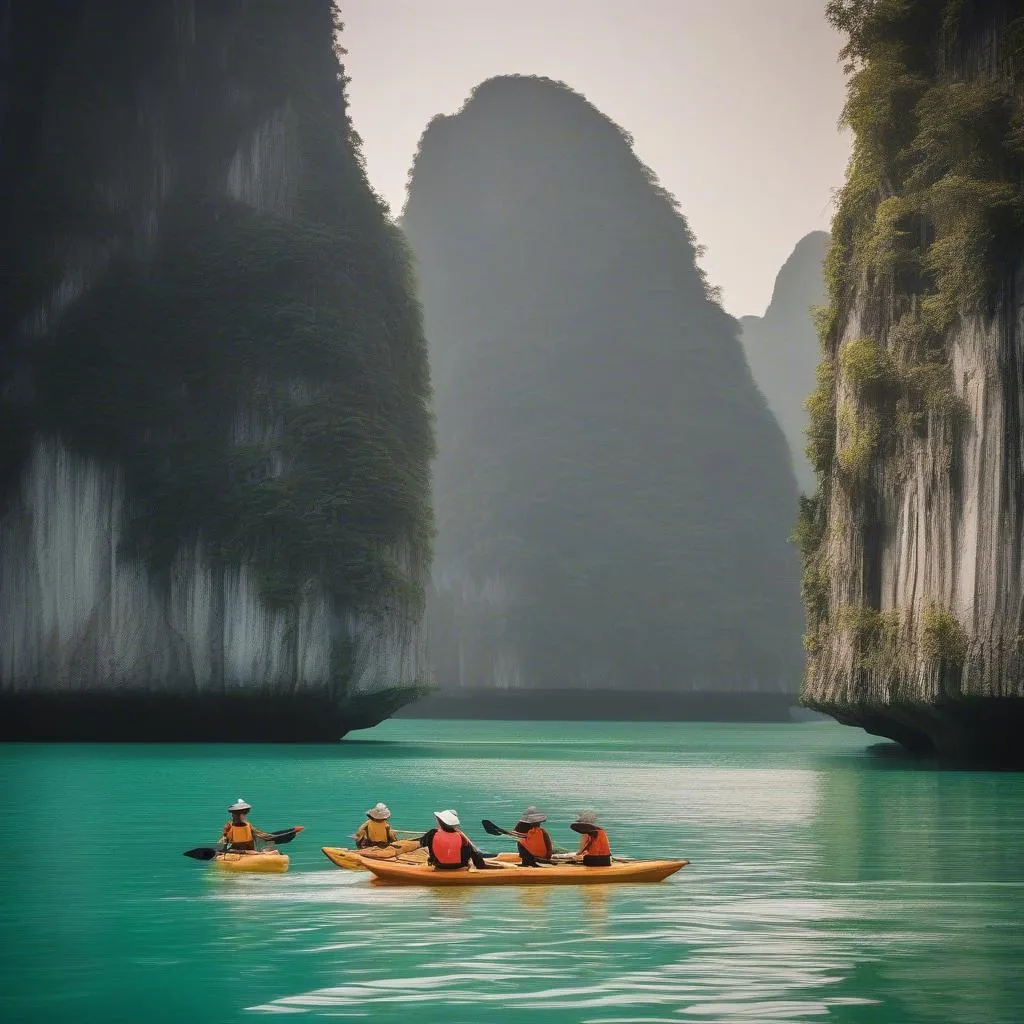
(824, 885)
(596, 900)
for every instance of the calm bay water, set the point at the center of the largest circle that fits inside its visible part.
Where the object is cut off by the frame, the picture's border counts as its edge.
(827, 883)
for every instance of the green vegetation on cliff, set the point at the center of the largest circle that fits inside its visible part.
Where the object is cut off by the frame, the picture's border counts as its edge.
(210, 297)
(929, 228)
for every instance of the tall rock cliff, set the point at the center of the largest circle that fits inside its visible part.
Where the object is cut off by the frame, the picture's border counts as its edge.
(613, 495)
(782, 345)
(912, 545)
(215, 470)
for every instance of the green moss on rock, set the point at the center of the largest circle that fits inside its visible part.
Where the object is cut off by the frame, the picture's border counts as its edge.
(943, 639)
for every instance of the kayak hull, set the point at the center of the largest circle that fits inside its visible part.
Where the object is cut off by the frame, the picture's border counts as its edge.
(268, 862)
(391, 872)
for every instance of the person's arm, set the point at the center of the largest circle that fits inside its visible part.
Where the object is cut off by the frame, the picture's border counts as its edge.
(361, 839)
(548, 849)
(424, 840)
(392, 838)
(259, 834)
(223, 841)
(474, 854)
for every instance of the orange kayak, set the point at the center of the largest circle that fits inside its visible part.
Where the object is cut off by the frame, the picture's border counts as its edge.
(393, 872)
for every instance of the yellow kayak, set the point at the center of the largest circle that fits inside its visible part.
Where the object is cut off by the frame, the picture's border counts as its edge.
(352, 860)
(261, 862)
(392, 872)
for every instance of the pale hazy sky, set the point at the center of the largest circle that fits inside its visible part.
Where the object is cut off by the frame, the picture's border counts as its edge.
(732, 103)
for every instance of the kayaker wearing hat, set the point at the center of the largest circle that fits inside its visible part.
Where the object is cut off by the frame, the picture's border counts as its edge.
(238, 833)
(448, 846)
(375, 831)
(535, 846)
(595, 851)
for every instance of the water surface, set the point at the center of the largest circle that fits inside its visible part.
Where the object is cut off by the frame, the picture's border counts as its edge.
(826, 884)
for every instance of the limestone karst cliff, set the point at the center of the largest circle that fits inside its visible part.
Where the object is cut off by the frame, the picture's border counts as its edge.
(216, 437)
(613, 495)
(912, 545)
(782, 345)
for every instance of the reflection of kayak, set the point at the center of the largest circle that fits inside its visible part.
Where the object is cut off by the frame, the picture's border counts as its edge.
(352, 860)
(263, 861)
(393, 872)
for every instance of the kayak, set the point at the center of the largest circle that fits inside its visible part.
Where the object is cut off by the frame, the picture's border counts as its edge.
(392, 872)
(262, 862)
(354, 860)
(341, 857)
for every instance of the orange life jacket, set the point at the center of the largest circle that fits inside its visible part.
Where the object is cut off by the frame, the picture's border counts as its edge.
(447, 846)
(536, 842)
(238, 835)
(596, 845)
(377, 832)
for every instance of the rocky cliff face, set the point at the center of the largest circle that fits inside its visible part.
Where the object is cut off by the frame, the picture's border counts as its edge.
(612, 491)
(912, 546)
(214, 383)
(782, 345)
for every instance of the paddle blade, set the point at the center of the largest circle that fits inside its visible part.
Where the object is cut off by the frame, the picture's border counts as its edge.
(492, 829)
(202, 853)
(286, 835)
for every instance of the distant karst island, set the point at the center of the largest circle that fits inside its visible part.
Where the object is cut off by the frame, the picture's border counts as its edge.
(613, 496)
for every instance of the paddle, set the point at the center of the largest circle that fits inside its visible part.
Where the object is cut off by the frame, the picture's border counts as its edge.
(398, 832)
(496, 830)
(285, 835)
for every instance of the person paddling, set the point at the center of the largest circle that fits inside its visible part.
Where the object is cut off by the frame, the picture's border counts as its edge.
(595, 851)
(448, 847)
(535, 846)
(239, 834)
(376, 831)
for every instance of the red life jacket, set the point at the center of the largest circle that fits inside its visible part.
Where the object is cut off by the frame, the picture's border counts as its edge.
(596, 845)
(447, 846)
(535, 842)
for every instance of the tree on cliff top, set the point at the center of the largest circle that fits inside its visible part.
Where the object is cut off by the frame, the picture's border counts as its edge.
(603, 448)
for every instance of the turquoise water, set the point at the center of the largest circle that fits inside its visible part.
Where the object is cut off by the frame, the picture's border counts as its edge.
(826, 883)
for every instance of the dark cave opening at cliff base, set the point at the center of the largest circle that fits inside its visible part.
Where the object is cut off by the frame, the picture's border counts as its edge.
(984, 732)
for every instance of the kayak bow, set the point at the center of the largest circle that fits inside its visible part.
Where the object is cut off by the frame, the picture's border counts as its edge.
(352, 860)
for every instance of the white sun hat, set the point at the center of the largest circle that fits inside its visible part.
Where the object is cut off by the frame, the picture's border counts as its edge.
(240, 805)
(379, 813)
(448, 817)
